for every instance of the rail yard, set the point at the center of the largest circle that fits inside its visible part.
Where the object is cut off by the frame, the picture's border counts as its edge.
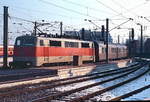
(97, 85)
(74, 51)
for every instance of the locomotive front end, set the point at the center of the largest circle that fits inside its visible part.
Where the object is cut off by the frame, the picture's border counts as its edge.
(24, 51)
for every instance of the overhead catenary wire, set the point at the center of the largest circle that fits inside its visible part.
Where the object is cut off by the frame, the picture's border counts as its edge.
(139, 5)
(85, 6)
(41, 11)
(29, 21)
(120, 14)
(110, 8)
(115, 12)
(67, 9)
(133, 8)
(63, 0)
(21, 19)
(45, 12)
(33, 21)
(121, 6)
(67, 0)
(121, 24)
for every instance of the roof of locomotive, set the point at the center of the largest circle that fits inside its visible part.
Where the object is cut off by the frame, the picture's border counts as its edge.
(72, 40)
(56, 39)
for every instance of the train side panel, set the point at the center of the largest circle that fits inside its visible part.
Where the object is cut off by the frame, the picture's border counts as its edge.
(56, 54)
(49, 50)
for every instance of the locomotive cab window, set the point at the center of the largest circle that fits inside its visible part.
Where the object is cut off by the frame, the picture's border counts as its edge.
(41, 43)
(28, 42)
(55, 43)
(85, 45)
(18, 42)
(24, 41)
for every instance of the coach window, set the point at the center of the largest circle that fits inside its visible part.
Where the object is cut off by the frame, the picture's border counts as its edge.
(55, 43)
(103, 50)
(119, 50)
(92, 45)
(116, 49)
(41, 43)
(85, 45)
(72, 44)
(122, 49)
(113, 50)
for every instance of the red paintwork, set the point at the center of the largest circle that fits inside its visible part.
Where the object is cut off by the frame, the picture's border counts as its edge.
(10, 51)
(52, 51)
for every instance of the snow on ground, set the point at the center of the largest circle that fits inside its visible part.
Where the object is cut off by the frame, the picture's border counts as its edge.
(140, 82)
(104, 97)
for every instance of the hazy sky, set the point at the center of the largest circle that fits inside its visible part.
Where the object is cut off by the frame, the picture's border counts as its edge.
(73, 12)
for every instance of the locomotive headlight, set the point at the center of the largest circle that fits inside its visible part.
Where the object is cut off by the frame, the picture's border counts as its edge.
(28, 63)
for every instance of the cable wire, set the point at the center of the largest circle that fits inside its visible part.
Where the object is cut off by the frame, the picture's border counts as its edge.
(67, 9)
(124, 7)
(110, 8)
(80, 5)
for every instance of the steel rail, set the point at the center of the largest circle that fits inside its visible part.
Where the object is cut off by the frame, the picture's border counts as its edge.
(15, 77)
(130, 93)
(53, 85)
(86, 97)
(58, 95)
(64, 79)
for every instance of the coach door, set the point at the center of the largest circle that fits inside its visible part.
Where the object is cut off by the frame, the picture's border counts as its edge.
(96, 46)
(45, 52)
(117, 53)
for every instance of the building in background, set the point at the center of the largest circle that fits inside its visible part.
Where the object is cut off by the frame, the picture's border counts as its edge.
(88, 35)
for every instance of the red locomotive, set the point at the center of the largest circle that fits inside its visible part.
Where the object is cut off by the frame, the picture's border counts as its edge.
(36, 51)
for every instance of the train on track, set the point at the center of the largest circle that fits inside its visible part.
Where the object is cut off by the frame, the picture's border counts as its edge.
(10, 50)
(37, 51)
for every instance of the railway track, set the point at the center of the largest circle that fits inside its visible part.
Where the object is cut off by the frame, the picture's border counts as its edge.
(68, 81)
(65, 93)
(11, 78)
(106, 73)
(130, 93)
(86, 97)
